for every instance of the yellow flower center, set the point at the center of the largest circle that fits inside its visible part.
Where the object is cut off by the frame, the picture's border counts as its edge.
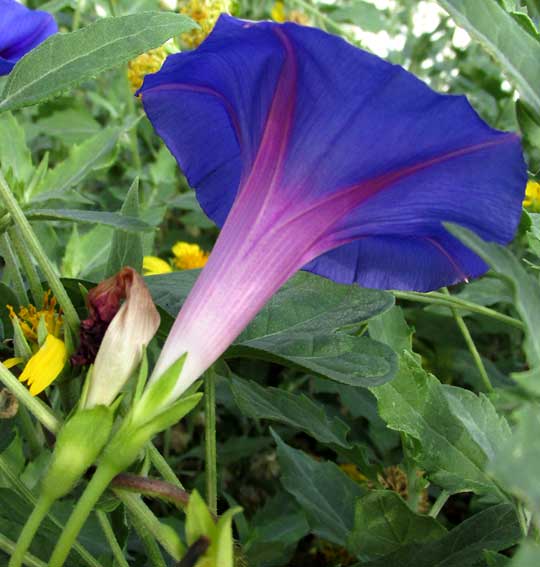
(144, 64)
(30, 317)
(45, 366)
(189, 256)
(532, 197)
(205, 13)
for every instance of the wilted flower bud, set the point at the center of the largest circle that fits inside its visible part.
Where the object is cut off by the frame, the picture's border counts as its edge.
(132, 326)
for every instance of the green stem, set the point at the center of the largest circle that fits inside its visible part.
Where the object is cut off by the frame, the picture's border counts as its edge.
(111, 538)
(30, 432)
(23, 490)
(437, 298)
(161, 532)
(162, 466)
(77, 16)
(439, 503)
(41, 258)
(96, 487)
(210, 439)
(27, 264)
(34, 405)
(471, 346)
(13, 270)
(29, 531)
(30, 560)
(152, 549)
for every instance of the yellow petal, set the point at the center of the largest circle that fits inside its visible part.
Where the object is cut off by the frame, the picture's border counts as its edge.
(152, 265)
(278, 12)
(45, 366)
(532, 196)
(11, 362)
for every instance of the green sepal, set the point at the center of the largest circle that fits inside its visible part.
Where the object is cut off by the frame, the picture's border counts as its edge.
(157, 394)
(78, 445)
(199, 522)
(132, 436)
(69, 340)
(141, 377)
(21, 347)
(42, 331)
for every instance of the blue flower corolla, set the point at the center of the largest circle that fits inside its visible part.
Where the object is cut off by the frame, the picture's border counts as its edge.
(313, 154)
(21, 30)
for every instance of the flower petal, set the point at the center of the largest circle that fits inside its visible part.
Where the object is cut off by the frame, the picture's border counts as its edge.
(323, 126)
(21, 30)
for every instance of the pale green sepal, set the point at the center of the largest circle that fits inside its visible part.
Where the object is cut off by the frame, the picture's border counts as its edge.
(42, 331)
(21, 347)
(78, 445)
(222, 546)
(199, 521)
(171, 415)
(85, 388)
(156, 396)
(69, 340)
(141, 378)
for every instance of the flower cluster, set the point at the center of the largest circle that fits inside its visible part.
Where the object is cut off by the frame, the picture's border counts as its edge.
(205, 13)
(144, 64)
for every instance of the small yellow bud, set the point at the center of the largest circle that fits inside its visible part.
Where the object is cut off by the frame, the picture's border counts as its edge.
(532, 197)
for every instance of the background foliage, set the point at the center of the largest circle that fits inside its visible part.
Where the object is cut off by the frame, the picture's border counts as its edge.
(355, 427)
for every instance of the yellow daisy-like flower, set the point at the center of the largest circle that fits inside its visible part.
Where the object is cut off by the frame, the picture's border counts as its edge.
(144, 64)
(532, 197)
(30, 317)
(189, 256)
(153, 266)
(45, 366)
(280, 14)
(50, 356)
(205, 13)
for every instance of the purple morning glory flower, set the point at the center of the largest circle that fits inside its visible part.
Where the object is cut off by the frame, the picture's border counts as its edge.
(21, 30)
(313, 154)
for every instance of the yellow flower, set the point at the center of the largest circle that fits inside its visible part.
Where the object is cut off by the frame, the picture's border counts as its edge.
(30, 317)
(205, 13)
(189, 256)
(278, 12)
(532, 197)
(145, 64)
(152, 266)
(45, 366)
(51, 355)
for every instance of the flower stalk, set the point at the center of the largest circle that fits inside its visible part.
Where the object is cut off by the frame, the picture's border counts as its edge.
(210, 439)
(34, 246)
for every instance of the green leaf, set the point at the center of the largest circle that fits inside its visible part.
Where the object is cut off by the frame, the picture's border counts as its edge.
(15, 157)
(121, 222)
(517, 460)
(297, 327)
(127, 248)
(315, 305)
(391, 329)
(86, 254)
(384, 523)
(517, 52)
(525, 290)
(357, 361)
(325, 493)
(66, 59)
(494, 559)
(296, 410)
(81, 161)
(362, 14)
(70, 126)
(494, 529)
(452, 448)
